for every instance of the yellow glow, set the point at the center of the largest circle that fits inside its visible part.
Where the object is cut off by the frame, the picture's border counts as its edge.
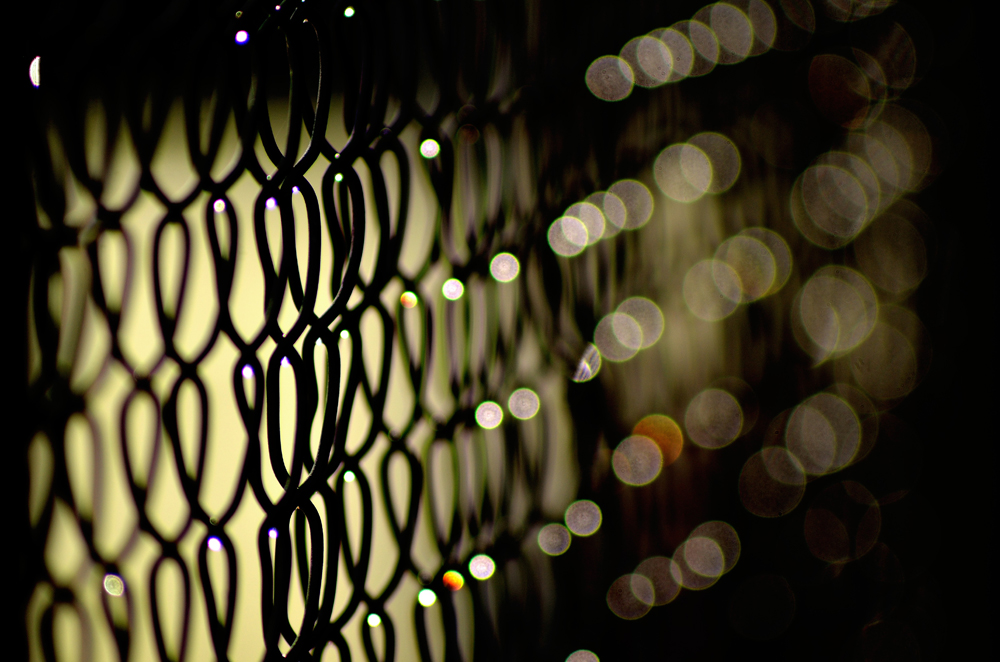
(453, 580)
(429, 148)
(408, 299)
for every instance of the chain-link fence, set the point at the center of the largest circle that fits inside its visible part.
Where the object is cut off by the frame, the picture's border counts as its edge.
(319, 292)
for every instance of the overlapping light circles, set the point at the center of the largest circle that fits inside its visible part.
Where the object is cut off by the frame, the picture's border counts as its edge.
(707, 163)
(626, 205)
(588, 366)
(710, 551)
(610, 78)
(780, 253)
(568, 236)
(523, 403)
(713, 418)
(489, 415)
(636, 324)
(842, 524)
(892, 252)
(890, 155)
(631, 596)
(657, 570)
(823, 433)
(504, 267)
(772, 482)
(712, 290)
(583, 517)
(732, 30)
(650, 59)
(754, 264)
(833, 312)
(895, 357)
(637, 460)
(720, 33)
(481, 567)
(683, 172)
(665, 432)
(554, 539)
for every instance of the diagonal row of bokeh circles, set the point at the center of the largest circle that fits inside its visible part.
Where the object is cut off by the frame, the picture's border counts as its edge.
(722, 33)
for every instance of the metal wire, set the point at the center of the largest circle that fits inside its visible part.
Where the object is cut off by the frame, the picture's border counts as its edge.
(322, 41)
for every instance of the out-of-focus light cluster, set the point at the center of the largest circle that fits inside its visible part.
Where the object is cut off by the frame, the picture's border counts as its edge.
(583, 655)
(554, 539)
(887, 156)
(751, 265)
(636, 324)
(583, 518)
(711, 550)
(822, 435)
(720, 33)
(656, 441)
(706, 163)
(626, 205)
(718, 415)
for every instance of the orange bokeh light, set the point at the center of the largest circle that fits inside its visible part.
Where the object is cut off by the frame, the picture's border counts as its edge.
(665, 432)
(453, 580)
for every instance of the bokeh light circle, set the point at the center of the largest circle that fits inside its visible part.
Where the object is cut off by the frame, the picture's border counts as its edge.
(683, 172)
(780, 253)
(733, 30)
(681, 53)
(722, 155)
(429, 148)
(725, 537)
(618, 337)
(650, 60)
(771, 483)
(568, 236)
(114, 585)
(712, 290)
(637, 460)
(481, 567)
(504, 267)
(426, 597)
(823, 433)
(554, 539)
(657, 570)
(623, 601)
(523, 403)
(374, 620)
(665, 432)
(705, 555)
(582, 655)
(647, 316)
(452, 289)
(713, 419)
(408, 299)
(592, 218)
(583, 517)
(610, 78)
(752, 261)
(453, 580)
(637, 200)
(489, 415)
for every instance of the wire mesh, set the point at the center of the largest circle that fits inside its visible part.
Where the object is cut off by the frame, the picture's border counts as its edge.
(312, 290)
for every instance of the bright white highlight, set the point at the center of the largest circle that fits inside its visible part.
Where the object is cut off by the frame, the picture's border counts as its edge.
(426, 597)
(272, 533)
(481, 567)
(430, 148)
(34, 74)
(489, 415)
(247, 372)
(219, 206)
(215, 544)
(453, 289)
(374, 621)
(349, 476)
(242, 36)
(271, 203)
